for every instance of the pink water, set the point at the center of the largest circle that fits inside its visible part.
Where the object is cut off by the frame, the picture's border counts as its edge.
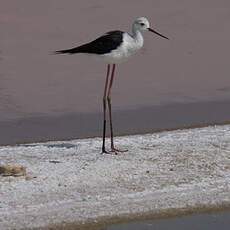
(43, 94)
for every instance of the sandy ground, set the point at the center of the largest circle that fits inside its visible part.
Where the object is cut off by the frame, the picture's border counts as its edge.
(71, 181)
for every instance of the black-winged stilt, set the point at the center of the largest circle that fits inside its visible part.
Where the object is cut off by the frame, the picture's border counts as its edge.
(114, 47)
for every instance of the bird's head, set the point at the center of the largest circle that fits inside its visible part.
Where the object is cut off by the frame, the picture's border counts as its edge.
(143, 24)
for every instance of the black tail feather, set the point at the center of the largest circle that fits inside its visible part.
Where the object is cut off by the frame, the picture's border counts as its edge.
(101, 45)
(68, 51)
(60, 52)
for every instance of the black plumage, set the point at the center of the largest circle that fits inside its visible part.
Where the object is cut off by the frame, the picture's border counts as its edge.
(101, 45)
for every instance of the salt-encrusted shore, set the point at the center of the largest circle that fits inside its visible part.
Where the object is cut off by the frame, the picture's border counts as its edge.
(71, 182)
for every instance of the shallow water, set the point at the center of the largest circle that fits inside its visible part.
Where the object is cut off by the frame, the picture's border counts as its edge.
(211, 221)
(170, 83)
(135, 121)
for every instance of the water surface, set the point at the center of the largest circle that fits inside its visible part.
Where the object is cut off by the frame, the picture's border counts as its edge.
(211, 221)
(43, 95)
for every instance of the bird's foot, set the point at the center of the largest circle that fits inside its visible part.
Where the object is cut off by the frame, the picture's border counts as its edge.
(109, 152)
(105, 152)
(113, 151)
(116, 151)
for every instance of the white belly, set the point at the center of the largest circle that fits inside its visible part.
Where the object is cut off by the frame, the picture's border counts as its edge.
(128, 47)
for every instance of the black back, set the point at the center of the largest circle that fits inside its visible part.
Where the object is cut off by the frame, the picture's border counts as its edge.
(101, 45)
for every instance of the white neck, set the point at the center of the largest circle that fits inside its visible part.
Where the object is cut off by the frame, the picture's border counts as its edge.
(137, 36)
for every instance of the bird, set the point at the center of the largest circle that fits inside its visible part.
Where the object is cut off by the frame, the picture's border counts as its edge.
(114, 47)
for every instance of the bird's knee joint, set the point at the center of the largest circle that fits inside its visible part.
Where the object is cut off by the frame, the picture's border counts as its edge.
(108, 98)
(104, 103)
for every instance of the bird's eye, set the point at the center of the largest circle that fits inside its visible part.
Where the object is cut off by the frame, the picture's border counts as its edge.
(142, 24)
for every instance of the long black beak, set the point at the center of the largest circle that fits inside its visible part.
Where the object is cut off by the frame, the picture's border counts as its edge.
(155, 32)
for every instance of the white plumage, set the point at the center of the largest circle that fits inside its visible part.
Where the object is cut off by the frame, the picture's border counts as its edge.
(114, 47)
(129, 46)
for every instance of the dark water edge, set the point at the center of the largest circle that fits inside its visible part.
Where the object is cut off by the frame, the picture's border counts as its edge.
(135, 121)
(202, 218)
(208, 221)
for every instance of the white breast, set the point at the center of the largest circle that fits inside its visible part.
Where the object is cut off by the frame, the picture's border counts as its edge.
(128, 47)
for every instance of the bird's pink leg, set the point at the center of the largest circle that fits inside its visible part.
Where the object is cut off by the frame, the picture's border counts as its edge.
(113, 149)
(104, 108)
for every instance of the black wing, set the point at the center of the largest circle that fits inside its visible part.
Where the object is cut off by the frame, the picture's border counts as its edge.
(101, 45)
